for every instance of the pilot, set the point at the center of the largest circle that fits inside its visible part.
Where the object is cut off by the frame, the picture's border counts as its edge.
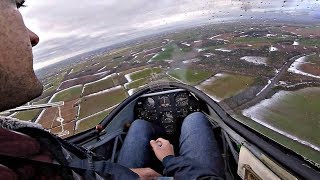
(198, 154)
(29, 152)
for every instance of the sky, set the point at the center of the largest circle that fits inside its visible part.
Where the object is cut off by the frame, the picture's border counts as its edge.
(68, 28)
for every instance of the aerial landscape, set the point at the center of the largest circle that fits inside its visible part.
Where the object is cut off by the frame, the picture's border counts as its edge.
(266, 76)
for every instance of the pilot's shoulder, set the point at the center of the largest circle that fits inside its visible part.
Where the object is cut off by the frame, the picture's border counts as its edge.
(14, 124)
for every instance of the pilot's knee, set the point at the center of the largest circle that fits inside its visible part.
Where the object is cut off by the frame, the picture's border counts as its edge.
(140, 126)
(139, 123)
(194, 119)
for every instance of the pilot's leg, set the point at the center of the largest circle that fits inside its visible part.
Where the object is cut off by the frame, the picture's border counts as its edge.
(197, 141)
(136, 151)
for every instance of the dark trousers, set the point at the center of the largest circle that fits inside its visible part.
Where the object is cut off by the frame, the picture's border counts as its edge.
(197, 141)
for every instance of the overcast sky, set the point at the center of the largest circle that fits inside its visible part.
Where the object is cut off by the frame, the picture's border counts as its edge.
(70, 27)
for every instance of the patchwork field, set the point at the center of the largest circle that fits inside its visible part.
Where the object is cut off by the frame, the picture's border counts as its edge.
(92, 121)
(68, 94)
(27, 115)
(68, 130)
(312, 65)
(247, 56)
(54, 82)
(132, 70)
(296, 113)
(81, 80)
(296, 146)
(145, 73)
(48, 118)
(51, 84)
(100, 85)
(100, 101)
(307, 65)
(255, 60)
(137, 83)
(222, 86)
(264, 39)
(310, 42)
(189, 76)
(31, 114)
(164, 55)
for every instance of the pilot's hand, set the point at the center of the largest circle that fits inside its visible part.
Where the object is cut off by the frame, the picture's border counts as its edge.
(146, 172)
(162, 148)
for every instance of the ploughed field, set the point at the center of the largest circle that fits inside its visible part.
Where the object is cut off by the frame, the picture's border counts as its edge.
(227, 62)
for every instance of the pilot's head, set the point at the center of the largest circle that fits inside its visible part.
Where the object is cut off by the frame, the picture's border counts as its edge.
(18, 83)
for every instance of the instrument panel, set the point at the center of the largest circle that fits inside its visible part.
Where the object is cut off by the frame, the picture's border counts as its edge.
(167, 109)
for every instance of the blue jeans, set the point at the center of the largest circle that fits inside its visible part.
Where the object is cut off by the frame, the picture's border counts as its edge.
(197, 141)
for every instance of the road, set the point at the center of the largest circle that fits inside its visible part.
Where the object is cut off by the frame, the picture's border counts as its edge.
(264, 93)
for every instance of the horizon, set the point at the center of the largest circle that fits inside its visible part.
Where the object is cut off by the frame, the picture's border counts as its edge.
(69, 31)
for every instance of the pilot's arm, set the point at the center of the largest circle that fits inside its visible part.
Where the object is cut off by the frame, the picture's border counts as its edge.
(178, 166)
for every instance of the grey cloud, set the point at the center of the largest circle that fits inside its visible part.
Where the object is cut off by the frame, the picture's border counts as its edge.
(75, 25)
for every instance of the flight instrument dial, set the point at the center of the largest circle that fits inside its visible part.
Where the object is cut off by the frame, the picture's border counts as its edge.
(164, 101)
(182, 99)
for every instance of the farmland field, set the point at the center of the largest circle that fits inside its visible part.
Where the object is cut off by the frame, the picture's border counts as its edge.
(31, 114)
(315, 59)
(230, 62)
(165, 55)
(27, 115)
(301, 149)
(296, 112)
(68, 94)
(145, 73)
(223, 86)
(137, 83)
(91, 121)
(189, 76)
(95, 103)
(49, 116)
(99, 85)
(69, 127)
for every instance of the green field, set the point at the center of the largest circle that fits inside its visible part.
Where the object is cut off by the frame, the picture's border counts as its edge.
(145, 73)
(137, 83)
(285, 141)
(68, 94)
(31, 114)
(261, 39)
(294, 112)
(27, 115)
(314, 59)
(55, 82)
(189, 76)
(227, 85)
(91, 122)
(310, 42)
(186, 49)
(93, 104)
(165, 55)
(98, 86)
(213, 48)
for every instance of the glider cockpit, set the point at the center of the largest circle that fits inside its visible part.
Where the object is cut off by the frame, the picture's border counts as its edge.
(246, 152)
